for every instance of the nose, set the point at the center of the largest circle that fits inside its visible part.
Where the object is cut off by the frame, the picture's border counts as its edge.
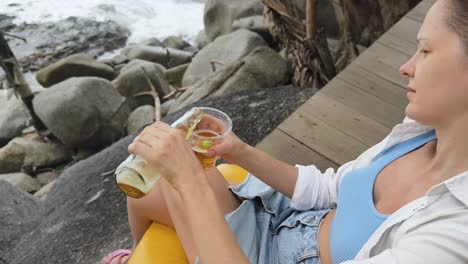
(407, 70)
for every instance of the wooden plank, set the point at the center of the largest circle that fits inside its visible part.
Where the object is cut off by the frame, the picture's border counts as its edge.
(321, 137)
(375, 85)
(384, 62)
(406, 29)
(387, 55)
(363, 102)
(419, 11)
(285, 148)
(345, 119)
(396, 43)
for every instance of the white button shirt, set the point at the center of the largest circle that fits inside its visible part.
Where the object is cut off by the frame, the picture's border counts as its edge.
(431, 229)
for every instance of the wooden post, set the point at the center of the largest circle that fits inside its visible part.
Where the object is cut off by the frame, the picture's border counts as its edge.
(16, 79)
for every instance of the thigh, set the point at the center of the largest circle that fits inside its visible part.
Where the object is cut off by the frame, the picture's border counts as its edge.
(155, 207)
(163, 205)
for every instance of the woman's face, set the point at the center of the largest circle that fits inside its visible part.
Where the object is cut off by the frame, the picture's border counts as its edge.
(438, 72)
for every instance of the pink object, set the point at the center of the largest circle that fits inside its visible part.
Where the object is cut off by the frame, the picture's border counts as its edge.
(117, 255)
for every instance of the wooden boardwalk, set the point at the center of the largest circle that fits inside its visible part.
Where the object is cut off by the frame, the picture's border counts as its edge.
(355, 110)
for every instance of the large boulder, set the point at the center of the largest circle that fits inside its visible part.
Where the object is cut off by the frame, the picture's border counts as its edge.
(262, 68)
(140, 117)
(24, 153)
(201, 40)
(219, 14)
(86, 212)
(77, 65)
(175, 75)
(13, 116)
(225, 49)
(20, 214)
(83, 111)
(168, 57)
(132, 80)
(257, 24)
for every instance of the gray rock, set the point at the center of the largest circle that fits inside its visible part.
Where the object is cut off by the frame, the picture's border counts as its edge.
(21, 181)
(262, 68)
(225, 49)
(219, 14)
(119, 59)
(20, 214)
(42, 193)
(256, 24)
(83, 153)
(132, 81)
(83, 111)
(52, 41)
(153, 42)
(47, 177)
(13, 117)
(166, 106)
(84, 216)
(140, 117)
(168, 57)
(28, 154)
(201, 40)
(77, 65)
(175, 75)
(135, 62)
(178, 43)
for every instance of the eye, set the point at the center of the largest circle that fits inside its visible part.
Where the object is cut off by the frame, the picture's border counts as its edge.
(423, 51)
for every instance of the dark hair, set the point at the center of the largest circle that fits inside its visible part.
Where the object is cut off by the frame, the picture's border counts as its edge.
(457, 19)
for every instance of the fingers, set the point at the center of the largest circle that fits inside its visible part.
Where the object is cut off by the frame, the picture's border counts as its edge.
(140, 148)
(212, 123)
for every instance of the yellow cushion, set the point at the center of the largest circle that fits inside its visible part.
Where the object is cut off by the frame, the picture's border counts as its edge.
(160, 243)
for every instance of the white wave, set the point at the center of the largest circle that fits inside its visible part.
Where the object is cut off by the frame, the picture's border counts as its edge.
(144, 18)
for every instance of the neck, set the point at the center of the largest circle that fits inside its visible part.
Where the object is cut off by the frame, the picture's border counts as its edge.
(449, 154)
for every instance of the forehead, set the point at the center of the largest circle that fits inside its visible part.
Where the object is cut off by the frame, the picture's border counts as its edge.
(434, 22)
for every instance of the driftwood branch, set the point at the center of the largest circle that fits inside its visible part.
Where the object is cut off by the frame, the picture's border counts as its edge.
(16, 80)
(213, 64)
(14, 36)
(154, 93)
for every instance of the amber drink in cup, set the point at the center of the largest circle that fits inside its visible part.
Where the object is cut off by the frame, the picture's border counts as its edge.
(211, 131)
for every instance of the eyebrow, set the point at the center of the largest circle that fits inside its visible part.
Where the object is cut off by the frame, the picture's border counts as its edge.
(418, 40)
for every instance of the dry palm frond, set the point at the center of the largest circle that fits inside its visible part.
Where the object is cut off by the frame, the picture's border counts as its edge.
(312, 62)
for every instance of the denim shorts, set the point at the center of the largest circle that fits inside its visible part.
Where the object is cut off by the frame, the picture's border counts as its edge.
(269, 231)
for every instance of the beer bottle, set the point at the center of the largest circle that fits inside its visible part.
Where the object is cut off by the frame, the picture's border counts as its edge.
(135, 177)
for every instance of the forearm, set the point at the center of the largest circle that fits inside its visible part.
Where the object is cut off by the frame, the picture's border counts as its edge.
(209, 228)
(277, 174)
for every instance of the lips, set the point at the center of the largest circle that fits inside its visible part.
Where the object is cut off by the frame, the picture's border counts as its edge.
(409, 89)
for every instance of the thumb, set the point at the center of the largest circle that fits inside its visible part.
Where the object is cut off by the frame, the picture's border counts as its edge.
(215, 151)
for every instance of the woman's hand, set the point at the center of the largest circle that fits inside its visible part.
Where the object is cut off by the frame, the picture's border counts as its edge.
(230, 148)
(164, 147)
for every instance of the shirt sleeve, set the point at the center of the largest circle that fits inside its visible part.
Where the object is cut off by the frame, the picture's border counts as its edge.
(443, 241)
(317, 190)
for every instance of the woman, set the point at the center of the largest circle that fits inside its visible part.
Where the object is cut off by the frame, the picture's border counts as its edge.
(404, 200)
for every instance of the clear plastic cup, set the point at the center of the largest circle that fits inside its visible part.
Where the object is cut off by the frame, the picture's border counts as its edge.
(213, 128)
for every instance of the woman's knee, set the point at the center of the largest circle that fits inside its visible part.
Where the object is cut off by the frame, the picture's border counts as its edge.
(152, 206)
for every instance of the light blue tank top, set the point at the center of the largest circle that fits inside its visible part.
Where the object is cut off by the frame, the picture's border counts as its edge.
(356, 217)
